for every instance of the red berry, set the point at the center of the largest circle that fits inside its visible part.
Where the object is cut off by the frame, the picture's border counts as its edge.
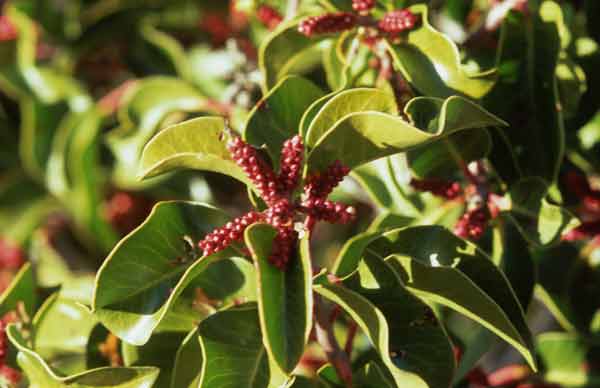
(333, 212)
(439, 187)
(291, 163)
(222, 237)
(320, 185)
(257, 170)
(327, 23)
(472, 224)
(363, 5)
(10, 375)
(11, 255)
(268, 16)
(8, 30)
(283, 246)
(397, 21)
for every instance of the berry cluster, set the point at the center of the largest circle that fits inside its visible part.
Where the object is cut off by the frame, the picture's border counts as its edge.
(8, 30)
(257, 170)
(8, 375)
(268, 16)
(438, 187)
(277, 192)
(291, 163)
(363, 5)
(233, 231)
(392, 22)
(397, 21)
(321, 185)
(589, 210)
(327, 23)
(472, 224)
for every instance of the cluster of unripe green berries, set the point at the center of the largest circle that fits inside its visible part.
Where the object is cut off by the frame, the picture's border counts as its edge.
(277, 191)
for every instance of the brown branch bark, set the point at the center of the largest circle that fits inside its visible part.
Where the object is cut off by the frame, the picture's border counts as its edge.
(326, 338)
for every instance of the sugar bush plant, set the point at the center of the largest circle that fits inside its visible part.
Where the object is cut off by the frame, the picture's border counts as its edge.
(300, 193)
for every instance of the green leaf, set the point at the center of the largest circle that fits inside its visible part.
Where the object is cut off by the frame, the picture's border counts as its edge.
(233, 354)
(407, 337)
(276, 117)
(567, 284)
(144, 109)
(563, 356)
(161, 52)
(72, 174)
(380, 179)
(442, 268)
(540, 221)
(430, 61)
(62, 328)
(40, 375)
(195, 144)
(447, 155)
(149, 269)
(510, 252)
(527, 95)
(20, 290)
(371, 376)
(188, 363)
(345, 103)
(285, 298)
(281, 51)
(351, 253)
(366, 136)
(159, 351)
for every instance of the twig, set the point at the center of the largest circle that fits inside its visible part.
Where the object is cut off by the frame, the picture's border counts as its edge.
(352, 329)
(326, 338)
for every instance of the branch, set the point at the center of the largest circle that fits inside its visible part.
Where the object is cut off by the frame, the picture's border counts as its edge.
(326, 338)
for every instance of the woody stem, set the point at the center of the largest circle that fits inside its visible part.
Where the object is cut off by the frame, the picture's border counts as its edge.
(326, 338)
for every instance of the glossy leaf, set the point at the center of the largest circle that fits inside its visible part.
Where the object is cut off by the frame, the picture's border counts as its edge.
(351, 253)
(413, 347)
(566, 359)
(511, 254)
(62, 328)
(527, 96)
(276, 117)
(148, 270)
(188, 363)
(20, 290)
(285, 298)
(233, 353)
(381, 179)
(281, 51)
(442, 268)
(363, 137)
(345, 103)
(195, 144)
(159, 352)
(430, 61)
(540, 221)
(40, 375)
(143, 109)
